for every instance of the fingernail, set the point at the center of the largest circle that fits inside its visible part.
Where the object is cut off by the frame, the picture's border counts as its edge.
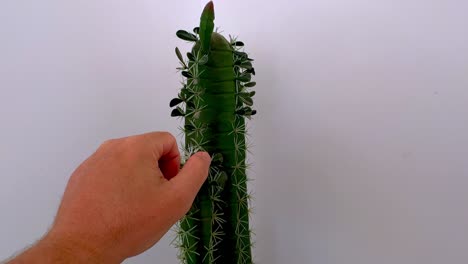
(204, 155)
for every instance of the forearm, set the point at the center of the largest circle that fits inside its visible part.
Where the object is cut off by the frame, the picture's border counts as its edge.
(52, 250)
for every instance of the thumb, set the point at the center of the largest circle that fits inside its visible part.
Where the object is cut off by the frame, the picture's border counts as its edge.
(192, 176)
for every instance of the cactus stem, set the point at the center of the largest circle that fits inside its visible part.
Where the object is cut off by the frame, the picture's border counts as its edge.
(216, 101)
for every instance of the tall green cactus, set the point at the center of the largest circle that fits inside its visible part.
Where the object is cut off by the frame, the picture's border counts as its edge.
(214, 102)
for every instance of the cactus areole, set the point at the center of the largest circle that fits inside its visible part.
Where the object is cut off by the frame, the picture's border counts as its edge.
(214, 102)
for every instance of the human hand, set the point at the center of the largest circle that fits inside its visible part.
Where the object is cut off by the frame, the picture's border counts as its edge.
(124, 198)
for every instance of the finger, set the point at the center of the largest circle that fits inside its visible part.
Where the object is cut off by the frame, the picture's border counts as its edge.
(192, 176)
(165, 152)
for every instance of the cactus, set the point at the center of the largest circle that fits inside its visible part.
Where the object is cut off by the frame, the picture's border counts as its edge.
(214, 102)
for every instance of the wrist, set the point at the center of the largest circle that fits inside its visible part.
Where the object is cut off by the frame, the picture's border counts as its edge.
(71, 250)
(62, 248)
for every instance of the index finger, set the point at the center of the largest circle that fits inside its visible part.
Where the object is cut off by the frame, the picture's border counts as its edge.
(165, 152)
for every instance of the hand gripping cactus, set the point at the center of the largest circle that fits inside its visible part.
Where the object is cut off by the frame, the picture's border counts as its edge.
(214, 102)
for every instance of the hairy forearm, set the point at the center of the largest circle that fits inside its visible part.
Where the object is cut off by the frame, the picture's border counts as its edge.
(53, 249)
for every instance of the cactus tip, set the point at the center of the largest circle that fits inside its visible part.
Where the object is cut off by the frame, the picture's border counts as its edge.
(209, 9)
(210, 6)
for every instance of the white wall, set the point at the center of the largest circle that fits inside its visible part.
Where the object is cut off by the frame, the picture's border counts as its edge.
(361, 141)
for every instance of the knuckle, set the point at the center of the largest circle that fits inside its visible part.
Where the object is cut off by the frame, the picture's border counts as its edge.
(131, 141)
(108, 143)
(132, 148)
(167, 135)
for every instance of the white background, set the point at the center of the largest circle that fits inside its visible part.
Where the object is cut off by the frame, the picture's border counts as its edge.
(360, 144)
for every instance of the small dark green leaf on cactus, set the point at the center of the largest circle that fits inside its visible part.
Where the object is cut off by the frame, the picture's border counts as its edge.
(238, 43)
(248, 110)
(196, 30)
(177, 112)
(222, 179)
(217, 158)
(187, 74)
(190, 56)
(251, 94)
(252, 71)
(175, 102)
(184, 35)
(244, 77)
(240, 112)
(240, 54)
(244, 111)
(246, 65)
(254, 112)
(246, 99)
(250, 84)
(179, 55)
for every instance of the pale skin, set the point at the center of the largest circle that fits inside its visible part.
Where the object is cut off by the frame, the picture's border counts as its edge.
(120, 201)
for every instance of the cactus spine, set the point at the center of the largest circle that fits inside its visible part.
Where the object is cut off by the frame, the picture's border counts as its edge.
(214, 102)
